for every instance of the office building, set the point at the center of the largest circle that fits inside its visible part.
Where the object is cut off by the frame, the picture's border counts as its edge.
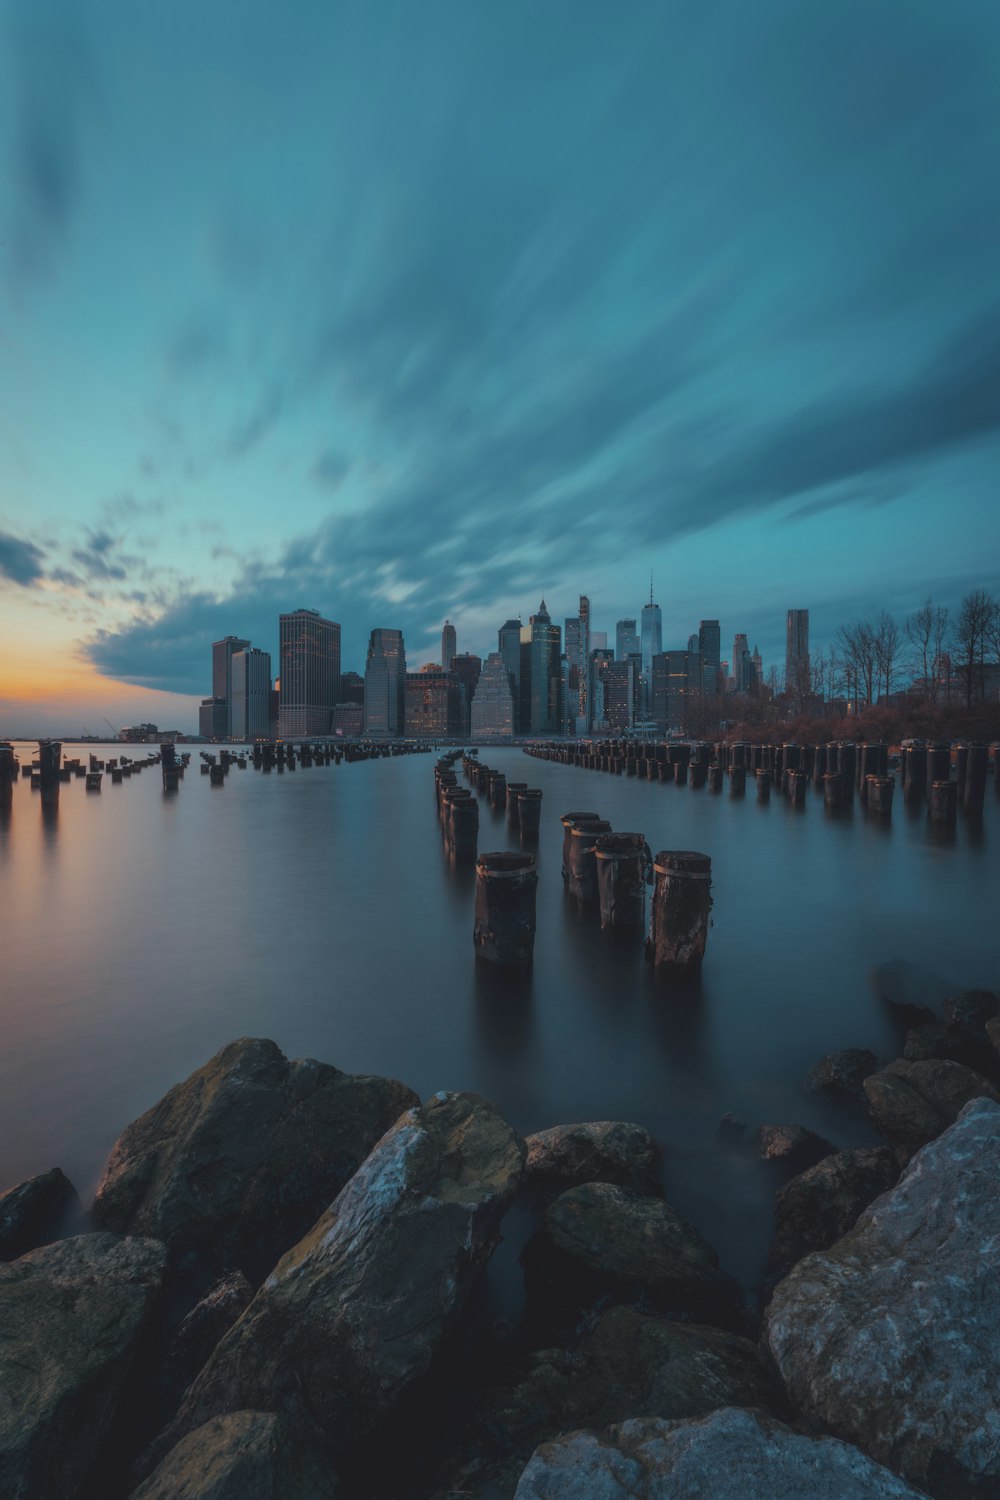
(509, 646)
(758, 668)
(493, 702)
(432, 708)
(541, 675)
(626, 640)
(213, 719)
(709, 646)
(449, 646)
(619, 695)
(677, 677)
(352, 688)
(250, 704)
(467, 667)
(600, 660)
(385, 685)
(309, 662)
(797, 651)
(742, 665)
(222, 671)
(650, 644)
(347, 720)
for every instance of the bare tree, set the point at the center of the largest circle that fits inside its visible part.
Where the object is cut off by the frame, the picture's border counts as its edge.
(973, 630)
(886, 644)
(927, 632)
(856, 647)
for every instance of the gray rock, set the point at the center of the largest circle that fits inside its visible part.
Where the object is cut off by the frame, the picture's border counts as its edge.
(200, 1331)
(245, 1455)
(935, 1040)
(889, 1338)
(912, 1102)
(841, 1074)
(730, 1455)
(627, 1362)
(599, 1241)
(356, 1311)
(237, 1162)
(730, 1129)
(970, 1010)
(792, 1145)
(71, 1317)
(601, 1151)
(35, 1212)
(818, 1207)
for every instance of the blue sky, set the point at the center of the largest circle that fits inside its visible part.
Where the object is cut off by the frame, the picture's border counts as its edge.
(401, 311)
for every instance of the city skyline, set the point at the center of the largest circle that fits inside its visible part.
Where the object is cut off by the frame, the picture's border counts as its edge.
(625, 318)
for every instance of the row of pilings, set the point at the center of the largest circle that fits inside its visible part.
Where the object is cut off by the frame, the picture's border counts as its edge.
(945, 777)
(605, 874)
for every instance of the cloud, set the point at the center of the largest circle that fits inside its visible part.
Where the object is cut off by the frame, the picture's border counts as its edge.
(20, 561)
(331, 469)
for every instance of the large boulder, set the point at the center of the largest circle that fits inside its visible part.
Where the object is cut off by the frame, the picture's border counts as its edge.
(818, 1207)
(792, 1145)
(245, 1455)
(238, 1161)
(912, 1102)
(353, 1314)
(729, 1455)
(889, 1337)
(841, 1075)
(971, 1010)
(35, 1212)
(627, 1363)
(600, 1151)
(72, 1315)
(601, 1241)
(200, 1331)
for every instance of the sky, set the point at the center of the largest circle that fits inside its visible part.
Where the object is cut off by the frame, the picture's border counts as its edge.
(406, 311)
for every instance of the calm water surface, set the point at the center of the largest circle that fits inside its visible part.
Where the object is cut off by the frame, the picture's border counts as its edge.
(139, 933)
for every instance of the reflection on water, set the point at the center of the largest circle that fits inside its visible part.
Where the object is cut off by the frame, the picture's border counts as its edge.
(140, 932)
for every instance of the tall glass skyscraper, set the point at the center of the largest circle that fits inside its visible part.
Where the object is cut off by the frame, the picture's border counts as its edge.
(541, 675)
(385, 685)
(250, 705)
(449, 646)
(710, 651)
(493, 704)
(797, 651)
(509, 646)
(222, 673)
(626, 640)
(651, 644)
(309, 656)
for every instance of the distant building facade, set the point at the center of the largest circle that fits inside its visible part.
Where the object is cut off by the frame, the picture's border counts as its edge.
(626, 640)
(222, 673)
(250, 704)
(432, 705)
(347, 721)
(709, 648)
(385, 685)
(213, 719)
(651, 644)
(797, 651)
(449, 645)
(677, 677)
(467, 666)
(309, 657)
(509, 647)
(541, 675)
(492, 715)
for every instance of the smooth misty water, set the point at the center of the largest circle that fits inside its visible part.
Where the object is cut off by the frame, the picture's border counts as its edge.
(139, 933)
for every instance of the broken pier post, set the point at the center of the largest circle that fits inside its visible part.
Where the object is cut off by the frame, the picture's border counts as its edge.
(680, 911)
(622, 860)
(504, 931)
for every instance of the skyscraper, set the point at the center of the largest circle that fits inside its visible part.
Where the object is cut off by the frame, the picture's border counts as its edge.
(309, 659)
(493, 703)
(677, 677)
(710, 651)
(222, 671)
(541, 675)
(583, 701)
(509, 646)
(385, 680)
(626, 640)
(797, 651)
(250, 705)
(433, 704)
(467, 667)
(449, 645)
(742, 665)
(651, 645)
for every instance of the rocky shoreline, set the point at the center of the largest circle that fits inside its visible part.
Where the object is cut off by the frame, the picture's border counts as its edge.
(278, 1291)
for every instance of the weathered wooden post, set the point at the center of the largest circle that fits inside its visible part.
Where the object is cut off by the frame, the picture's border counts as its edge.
(49, 758)
(498, 790)
(514, 789)
(463, 824)
(665, 769)
(168, 766)
(622, 860)
(697, 772)
(914, 780)
(960, 760)
(529, 812)
(737, 780)
(819, 765)
(938, 765)
(846, 764)
(715, 778)
(8, 772)
(581, 878)
(763, 780)
(880, 789)
(504, 931)
(680, 911)
(833, 790)
(568, 820)
(217, 774)
(797, 782)
(977, 768)
(943, 802)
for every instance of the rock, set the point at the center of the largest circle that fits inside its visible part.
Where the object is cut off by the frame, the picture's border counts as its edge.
(993, 1036)
(199, 1332)
(71, 1317)
(970, 1010)
(889, 1337)
(818, 1207)
(602, 1151)
(912, 1102)
(356, 1311)
(729, 1455)
(627, 1362)
(730, 1129)
(599, 1240)
(841, 1074)
(933, 1040)
(35, 1213)
(237, 1162)
(793, 1145)
(245, 1455)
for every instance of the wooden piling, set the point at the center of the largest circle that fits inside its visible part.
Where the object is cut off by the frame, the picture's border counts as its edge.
(622, 861)
(680, 911)
(504, 931)
(943, 803)
(977, 769)
(763, 780)
(529, 812)
(568, 820)
(581, 870)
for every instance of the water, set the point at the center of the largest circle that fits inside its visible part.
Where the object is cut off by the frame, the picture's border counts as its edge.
(139, 933)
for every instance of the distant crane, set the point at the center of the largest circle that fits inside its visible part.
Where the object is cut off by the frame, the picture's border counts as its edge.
(114, 732)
